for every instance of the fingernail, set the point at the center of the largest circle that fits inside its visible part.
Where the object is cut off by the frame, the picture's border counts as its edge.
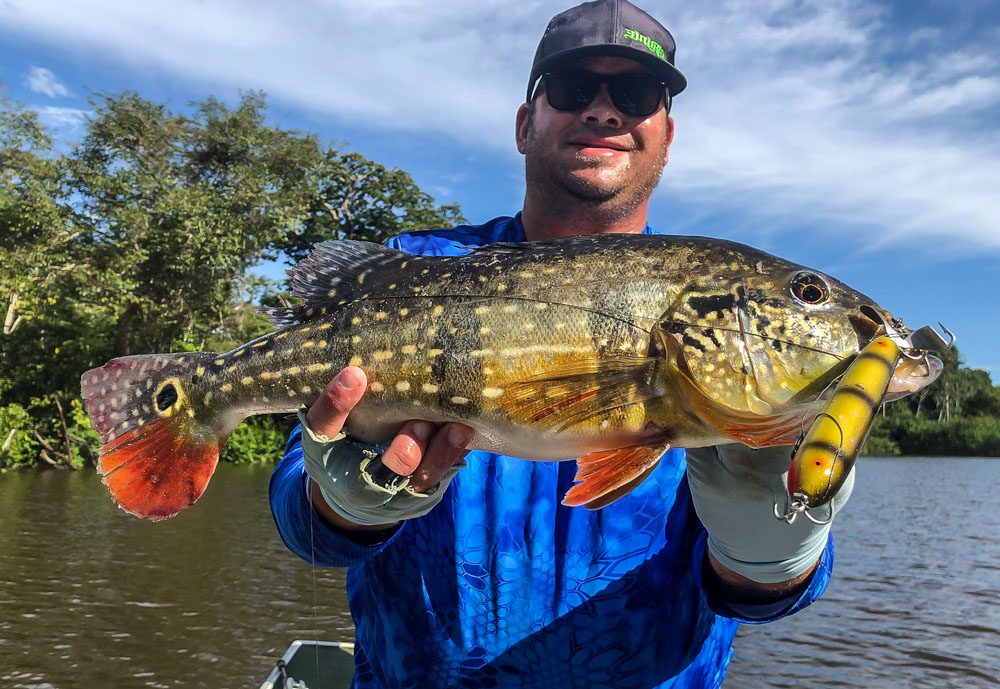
(421, 430)
(347, 381)
(459, 436)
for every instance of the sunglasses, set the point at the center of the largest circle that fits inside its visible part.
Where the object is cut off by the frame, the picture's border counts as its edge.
(636, 94)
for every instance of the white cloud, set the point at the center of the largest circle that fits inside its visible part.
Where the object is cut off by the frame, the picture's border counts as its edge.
(796, 111)
(41, 80)
(55, 116)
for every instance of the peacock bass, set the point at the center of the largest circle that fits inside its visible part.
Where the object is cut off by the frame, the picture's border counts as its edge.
(607, 349)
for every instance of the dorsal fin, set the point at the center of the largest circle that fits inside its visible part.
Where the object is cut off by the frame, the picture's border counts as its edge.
(321, 279)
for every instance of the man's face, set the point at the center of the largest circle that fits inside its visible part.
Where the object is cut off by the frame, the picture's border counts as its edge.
(596, 155)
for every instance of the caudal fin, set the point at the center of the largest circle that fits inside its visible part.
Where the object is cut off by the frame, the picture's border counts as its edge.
(156, 455)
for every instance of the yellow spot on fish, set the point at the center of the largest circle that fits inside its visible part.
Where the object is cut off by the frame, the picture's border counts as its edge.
(392, 286)
(509, 308)
(402, 386)
(290, 392)
(502, 287)
(269, 353)
(307, 344)
(480, 353)
(459, 400)
(191, 413)
(409, 349)
(316, 368)
(383, 355)
(403, 312)
(481, 310)
(527, 274)
(208, 397)
(325, 326)
(305, 330)
(226, 387)
(355, 339)
(262, 343)
(376, 387)
(293, 370)
(435, 352)
(306, 390)
(361, 279)
(200, 371)
(484, 330)
(429, 388)
(246, 380)
(220, 362)
(281, 335)
(356, 361)
(437, 311)
(541, 305)
(379, 315)
(356, 320)
(492, 393)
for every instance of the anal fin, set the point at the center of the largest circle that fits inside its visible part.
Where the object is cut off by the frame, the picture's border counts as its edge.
(603, 477)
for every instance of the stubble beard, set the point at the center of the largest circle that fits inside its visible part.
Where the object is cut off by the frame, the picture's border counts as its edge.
(565, 191)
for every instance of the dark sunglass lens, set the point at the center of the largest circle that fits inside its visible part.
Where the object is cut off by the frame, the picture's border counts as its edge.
(638, 95)
(571, 91)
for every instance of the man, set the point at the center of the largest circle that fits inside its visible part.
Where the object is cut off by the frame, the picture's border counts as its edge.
(472, 573)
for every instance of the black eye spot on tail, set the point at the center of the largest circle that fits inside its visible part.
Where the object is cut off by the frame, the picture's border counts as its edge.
(166, 397)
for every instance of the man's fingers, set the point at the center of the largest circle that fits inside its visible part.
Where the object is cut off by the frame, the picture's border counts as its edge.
(407, 449)
(329, 412)
(445, 448)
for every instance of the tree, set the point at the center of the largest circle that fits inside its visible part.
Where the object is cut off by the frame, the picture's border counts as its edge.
(141, 239)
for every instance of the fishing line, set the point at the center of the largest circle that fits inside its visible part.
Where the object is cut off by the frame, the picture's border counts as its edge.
(596, 312)
(312, 563)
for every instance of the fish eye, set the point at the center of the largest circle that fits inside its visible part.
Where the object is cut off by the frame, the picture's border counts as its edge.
(809, 288)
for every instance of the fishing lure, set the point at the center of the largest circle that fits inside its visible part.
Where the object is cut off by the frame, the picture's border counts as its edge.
(824, 456)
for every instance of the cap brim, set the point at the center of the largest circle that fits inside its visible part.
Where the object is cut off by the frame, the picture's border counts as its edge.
(675, 81)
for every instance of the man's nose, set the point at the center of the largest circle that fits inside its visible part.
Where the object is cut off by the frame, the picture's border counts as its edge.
(601, 110)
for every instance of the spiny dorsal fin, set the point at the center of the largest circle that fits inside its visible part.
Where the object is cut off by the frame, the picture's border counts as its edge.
(321, 279)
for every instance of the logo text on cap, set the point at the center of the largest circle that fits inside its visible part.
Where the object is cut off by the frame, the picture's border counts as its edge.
(657, 49)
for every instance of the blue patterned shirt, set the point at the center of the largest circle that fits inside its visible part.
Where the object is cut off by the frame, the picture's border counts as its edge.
(502, 586)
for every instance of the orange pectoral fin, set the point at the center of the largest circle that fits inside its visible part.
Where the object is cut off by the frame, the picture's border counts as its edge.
(154, 472)
(603, 477)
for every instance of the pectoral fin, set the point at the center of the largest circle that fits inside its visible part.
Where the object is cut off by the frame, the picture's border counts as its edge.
(603, 477)
(573, 394)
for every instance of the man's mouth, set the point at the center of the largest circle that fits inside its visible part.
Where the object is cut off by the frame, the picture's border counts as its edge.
(588, 145)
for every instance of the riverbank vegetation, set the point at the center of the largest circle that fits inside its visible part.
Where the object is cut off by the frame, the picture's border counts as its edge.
(144, 235)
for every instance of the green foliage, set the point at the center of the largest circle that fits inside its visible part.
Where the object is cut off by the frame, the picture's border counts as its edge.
(17, 446)
(258, 439)
(143, 237)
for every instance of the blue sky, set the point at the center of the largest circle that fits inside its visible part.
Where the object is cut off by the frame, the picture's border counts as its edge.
(857, 137)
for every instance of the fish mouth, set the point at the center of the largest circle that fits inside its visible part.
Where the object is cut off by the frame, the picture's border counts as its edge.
(870, 321)
(913, 375)
(916, 369)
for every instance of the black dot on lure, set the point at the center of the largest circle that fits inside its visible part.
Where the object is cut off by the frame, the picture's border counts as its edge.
(166, 397)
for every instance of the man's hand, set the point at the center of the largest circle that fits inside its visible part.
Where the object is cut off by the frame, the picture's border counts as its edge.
(752, 554)
(429, 455)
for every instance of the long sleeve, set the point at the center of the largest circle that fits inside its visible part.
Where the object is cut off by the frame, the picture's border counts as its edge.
(303, 532)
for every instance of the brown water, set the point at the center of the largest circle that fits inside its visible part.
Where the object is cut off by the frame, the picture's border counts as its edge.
(90, 597)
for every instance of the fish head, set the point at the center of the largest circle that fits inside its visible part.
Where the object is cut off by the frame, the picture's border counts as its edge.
(762, 338)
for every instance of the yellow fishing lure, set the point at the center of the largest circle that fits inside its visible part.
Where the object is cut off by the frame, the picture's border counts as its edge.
(823, 457)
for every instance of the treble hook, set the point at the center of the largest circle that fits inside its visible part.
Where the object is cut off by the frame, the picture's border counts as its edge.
(796, 506)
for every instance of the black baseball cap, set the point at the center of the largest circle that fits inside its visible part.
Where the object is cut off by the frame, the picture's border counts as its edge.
(608, 27)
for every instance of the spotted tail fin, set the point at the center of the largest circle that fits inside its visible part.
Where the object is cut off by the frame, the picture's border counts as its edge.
(156, 454)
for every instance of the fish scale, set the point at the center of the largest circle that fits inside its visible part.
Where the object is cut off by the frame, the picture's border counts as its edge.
(605, 348)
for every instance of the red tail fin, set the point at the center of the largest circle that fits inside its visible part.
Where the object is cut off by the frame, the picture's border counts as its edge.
(156, 455)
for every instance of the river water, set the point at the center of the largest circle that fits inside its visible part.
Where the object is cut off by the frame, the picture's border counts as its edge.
(90, 597)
